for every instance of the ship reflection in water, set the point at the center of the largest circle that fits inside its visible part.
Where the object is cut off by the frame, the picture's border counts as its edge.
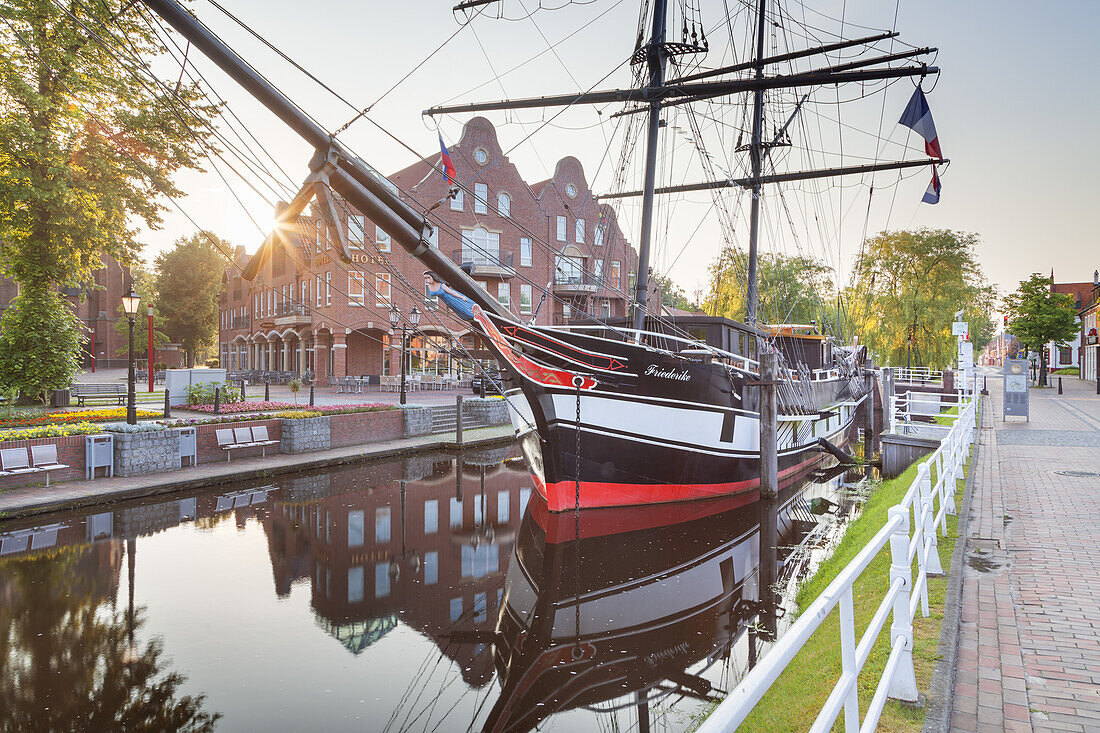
(428, 593)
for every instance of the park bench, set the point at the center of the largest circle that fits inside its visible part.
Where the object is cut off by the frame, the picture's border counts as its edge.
(15, 461)
(230, 439)
(106, 392)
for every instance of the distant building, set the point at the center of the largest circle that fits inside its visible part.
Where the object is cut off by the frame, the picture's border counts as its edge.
(97, 306)
(547, 251)
(1090, 344)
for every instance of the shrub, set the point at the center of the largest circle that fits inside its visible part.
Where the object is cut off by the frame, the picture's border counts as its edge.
(295, 387)
(297, 414)
(203, 394)
(141, 427)
(40, 342)
(1070, 371)
(213, 363)
(192, 422)
(160, 366)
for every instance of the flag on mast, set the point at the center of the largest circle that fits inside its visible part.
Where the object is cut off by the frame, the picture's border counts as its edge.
(918, 117)
(932, 195)
(449, 171)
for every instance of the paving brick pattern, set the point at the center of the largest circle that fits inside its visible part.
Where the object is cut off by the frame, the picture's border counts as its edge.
(1029, 641)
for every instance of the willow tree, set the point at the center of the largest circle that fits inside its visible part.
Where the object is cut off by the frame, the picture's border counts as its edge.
(907, 287)
(790, 289)
(89, 146)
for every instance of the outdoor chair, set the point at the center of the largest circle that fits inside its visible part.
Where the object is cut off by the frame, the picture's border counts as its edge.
(44, 458)
(14, 460)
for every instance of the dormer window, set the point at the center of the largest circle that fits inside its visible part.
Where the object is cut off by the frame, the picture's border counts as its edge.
(481, 156)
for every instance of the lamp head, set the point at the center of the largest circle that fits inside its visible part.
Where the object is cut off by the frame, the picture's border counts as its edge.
(414, 316)
(130, 302)
(395, 316)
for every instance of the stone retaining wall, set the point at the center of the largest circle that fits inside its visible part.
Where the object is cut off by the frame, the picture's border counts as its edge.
(356, 428)
(486, 411)
(138, 454)
(303, 436)
(418, 420)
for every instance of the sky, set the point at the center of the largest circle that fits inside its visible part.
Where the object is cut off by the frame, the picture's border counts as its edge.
(1015, 108)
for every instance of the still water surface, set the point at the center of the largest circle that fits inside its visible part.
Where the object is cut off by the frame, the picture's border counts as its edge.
(401, 595)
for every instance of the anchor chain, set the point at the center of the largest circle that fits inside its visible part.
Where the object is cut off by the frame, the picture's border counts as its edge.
(577, 651)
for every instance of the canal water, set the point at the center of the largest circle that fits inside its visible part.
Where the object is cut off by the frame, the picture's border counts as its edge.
(430, 593)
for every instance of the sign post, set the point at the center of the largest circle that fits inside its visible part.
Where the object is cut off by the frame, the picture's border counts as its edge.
(1016, 388)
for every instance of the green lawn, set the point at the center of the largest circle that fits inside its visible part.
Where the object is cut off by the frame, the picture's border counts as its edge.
(798, 695)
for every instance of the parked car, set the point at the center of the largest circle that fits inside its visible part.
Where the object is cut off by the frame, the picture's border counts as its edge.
(491, 379)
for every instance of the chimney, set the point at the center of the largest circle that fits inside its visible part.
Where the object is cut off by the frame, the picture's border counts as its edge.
(1096, 277)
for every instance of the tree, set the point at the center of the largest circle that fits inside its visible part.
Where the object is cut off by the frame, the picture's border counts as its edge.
(907, 287)
(790, 289)
(188, 282)
(40, 343)
(1038, 316)
(88, 144)
(145, 286)
(672, 295)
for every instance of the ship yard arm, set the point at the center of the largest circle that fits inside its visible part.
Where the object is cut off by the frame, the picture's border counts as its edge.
(333, 165)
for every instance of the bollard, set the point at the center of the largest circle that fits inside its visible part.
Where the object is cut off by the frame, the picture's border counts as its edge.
(243, 399)
(458, 420)
(311, 395)
(217, 400)
(167, 405)
(1059, 385)
(267, 391)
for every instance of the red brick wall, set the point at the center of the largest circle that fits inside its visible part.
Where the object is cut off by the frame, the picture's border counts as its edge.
(365, 427)
(207, 440)
(70, 451)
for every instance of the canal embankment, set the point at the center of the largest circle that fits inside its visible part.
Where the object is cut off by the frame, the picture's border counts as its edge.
(38, 499)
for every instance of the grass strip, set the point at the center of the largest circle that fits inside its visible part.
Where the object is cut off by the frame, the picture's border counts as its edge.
(792, 703)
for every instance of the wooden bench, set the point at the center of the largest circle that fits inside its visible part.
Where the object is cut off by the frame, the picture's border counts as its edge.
(230, 439)
(108, 392)
(43, 459)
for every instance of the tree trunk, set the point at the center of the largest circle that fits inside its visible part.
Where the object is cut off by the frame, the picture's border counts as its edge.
(1043, 367)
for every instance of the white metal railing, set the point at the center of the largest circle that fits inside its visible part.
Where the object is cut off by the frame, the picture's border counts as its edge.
(918, 375)
(904, 407)
(923, 510)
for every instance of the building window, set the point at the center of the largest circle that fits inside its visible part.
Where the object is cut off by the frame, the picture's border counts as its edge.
(382, 239)
(355, 528)
(481, 156)
(566, 311)
(597, 271)
(431, 568)
(561, 228)
(381, 580)
(525, 251)
(480, 247)
(382, 525)
(456, 609)
(304, 300)
(502, 294)
(504, 500)
(355, 584)
(456, 513)
(571, 191)
(615, 267)
(525, 299)
(318, 290)
(328, 288)
(431, 516)
(481, 608)
(382, 289)
(456, 200)
(355, 288)
(356, 230)
(1065, 355)
(481, 198)
(580, 231)
(597, 238)
(504, 204)
(630, 280)
(606, 305)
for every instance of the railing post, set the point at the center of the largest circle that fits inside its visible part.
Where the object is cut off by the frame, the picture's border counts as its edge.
(933, 566)
(848, 663)
(458, 420)
(903, 685)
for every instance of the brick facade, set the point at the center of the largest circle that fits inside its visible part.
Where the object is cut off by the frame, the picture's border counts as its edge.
(311, 312)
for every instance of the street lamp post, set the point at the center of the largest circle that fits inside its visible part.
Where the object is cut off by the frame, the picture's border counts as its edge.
(130, 303)
(397, 322)
(149, 349)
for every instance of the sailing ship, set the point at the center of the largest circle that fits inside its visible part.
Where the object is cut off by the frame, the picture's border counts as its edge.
(641, 413)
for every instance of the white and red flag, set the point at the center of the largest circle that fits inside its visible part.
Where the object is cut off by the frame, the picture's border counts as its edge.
(918, 117)
(932, 195)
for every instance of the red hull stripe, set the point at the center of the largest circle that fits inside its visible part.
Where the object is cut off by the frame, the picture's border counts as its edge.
(561, 496)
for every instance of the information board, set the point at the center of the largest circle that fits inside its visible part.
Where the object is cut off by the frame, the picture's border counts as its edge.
(960, 328)
(1016, 386)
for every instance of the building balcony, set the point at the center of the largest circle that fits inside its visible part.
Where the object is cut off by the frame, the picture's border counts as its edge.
(575, 285)
(486, 264)
(293, 314)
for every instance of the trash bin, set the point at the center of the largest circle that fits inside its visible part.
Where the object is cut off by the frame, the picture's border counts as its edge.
(60, 398)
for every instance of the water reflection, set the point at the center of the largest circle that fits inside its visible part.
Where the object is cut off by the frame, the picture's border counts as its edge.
(430, 592)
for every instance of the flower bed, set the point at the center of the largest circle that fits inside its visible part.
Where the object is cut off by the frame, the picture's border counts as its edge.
(33, 418)
(190, 422)
(323, 409)
(50, 431)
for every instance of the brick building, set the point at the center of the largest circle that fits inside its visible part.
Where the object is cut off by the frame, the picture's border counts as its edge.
(97, 306)
(548, 251)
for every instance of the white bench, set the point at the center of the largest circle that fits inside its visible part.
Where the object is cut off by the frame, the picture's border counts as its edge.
(43, 459)
(229, 439)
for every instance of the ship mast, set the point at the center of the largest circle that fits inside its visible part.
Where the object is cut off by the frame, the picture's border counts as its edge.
(755, 158)
(655, 57)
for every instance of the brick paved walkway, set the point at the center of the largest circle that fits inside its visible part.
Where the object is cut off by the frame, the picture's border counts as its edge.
(1029, 641)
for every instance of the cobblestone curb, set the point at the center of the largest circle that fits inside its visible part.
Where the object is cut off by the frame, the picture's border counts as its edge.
(941, 691)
